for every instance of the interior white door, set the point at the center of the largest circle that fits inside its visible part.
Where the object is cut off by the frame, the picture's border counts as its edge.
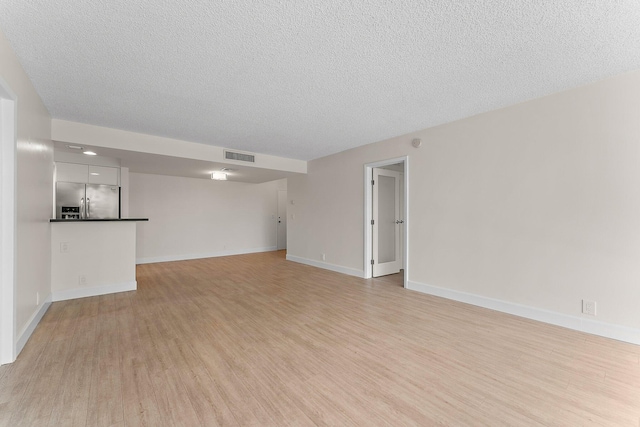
(282, 220)
(387, 258)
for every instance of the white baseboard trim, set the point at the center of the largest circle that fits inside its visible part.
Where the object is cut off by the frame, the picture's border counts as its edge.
(326, 266)
(31, 325)
(590, 326)
(167, 258)
(94, 291)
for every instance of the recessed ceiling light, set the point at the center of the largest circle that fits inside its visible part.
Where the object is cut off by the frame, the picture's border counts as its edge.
(89, 153)
(75, 147)
(219, 176)
(94, 173)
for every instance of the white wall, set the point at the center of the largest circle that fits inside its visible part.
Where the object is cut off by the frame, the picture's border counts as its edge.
(34, 182)
(535, 205)
(196, 218)
(103, 252)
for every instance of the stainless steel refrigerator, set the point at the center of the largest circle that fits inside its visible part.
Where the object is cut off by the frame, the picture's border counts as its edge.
(87, 201)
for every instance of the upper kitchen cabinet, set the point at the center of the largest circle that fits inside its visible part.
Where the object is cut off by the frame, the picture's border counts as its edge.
(103, 175)
(87, 174)
(72, 172)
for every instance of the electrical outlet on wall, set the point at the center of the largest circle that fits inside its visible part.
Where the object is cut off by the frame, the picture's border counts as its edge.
(82, 280)
(64, 247)
(589, 307)
(324, 257)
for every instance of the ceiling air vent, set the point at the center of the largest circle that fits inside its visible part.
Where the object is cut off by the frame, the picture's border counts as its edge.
(232, 155)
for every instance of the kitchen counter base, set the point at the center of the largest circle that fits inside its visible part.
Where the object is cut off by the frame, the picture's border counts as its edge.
(90, 258)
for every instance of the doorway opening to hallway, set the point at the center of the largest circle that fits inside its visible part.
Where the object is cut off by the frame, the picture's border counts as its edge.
(386, 219)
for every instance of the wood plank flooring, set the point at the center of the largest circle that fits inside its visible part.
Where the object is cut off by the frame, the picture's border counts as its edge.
(254, 340)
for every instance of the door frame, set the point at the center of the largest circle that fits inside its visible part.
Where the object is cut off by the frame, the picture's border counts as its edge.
(8, 133)
(368, 215)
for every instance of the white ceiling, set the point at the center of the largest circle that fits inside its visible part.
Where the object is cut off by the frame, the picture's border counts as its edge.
(309, 78)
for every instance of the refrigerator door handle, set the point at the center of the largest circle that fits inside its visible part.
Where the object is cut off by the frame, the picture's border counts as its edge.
(82, 208)
(88, 208)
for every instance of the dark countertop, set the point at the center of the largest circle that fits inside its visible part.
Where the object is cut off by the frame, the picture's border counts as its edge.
(99, 220)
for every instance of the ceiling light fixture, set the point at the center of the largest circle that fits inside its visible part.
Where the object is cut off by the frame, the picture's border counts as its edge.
(89, 153)
(219, 176)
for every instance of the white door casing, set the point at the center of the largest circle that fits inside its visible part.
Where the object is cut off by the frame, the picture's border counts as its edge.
(8, 118)
(387, 223)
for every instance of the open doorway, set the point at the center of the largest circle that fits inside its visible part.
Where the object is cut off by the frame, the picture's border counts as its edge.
(7, 223)
(386, 219)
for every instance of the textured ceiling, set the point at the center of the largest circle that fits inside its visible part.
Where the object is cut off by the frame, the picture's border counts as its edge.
(303, 79)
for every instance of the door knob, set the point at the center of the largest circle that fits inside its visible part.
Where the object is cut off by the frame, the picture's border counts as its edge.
(399, 221)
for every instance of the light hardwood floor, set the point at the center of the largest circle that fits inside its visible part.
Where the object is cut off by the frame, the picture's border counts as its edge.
(256, 340)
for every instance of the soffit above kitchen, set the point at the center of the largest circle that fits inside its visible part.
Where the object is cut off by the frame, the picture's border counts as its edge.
(151, 154)
(157, 164)
(306, 79)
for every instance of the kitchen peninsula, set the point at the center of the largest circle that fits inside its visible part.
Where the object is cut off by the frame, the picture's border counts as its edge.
(92, 257)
